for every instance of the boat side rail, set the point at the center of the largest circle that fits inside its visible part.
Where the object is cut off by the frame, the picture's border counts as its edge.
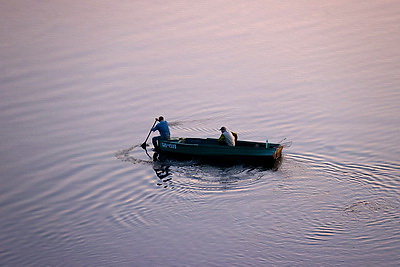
(214, 142)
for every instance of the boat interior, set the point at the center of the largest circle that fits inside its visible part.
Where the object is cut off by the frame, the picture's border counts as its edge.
(214, 141)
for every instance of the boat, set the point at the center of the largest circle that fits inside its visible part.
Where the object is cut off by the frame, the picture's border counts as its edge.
(248, 152)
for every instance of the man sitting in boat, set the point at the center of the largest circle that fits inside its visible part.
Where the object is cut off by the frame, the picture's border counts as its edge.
(227, 137)
(163, 128)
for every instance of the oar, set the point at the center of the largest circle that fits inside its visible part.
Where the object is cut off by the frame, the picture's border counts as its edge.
(144, 144)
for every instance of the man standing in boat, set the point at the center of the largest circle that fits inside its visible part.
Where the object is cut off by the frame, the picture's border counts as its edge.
(227, 137)
(163, 128)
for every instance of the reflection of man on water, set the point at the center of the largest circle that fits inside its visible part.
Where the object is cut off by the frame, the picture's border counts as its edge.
(163, 128)
(162, 171)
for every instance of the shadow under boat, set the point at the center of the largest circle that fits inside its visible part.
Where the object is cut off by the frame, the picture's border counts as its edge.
(167, 160)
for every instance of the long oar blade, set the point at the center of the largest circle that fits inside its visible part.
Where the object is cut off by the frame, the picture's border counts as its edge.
(144, 145)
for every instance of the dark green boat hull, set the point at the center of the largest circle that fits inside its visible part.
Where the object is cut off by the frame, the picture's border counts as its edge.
(253, 153)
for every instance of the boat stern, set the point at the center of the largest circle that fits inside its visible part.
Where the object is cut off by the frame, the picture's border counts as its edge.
(278, 152)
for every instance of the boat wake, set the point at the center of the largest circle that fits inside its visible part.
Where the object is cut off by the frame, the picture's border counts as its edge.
(125, 155)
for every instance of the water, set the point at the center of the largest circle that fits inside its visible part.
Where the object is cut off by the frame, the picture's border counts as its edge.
(81, 83)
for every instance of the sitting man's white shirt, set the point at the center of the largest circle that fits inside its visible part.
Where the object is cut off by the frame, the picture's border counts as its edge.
(229, 138)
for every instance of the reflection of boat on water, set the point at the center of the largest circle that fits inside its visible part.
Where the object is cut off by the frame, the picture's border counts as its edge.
(209, 150)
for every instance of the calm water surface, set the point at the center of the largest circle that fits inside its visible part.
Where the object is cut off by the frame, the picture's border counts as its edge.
(81, 83)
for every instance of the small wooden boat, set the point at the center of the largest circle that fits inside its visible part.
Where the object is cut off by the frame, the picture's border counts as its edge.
(253, 153)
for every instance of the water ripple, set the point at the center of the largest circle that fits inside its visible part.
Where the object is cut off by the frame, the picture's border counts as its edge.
(192, 175)
(190, 181)
(383, 176)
